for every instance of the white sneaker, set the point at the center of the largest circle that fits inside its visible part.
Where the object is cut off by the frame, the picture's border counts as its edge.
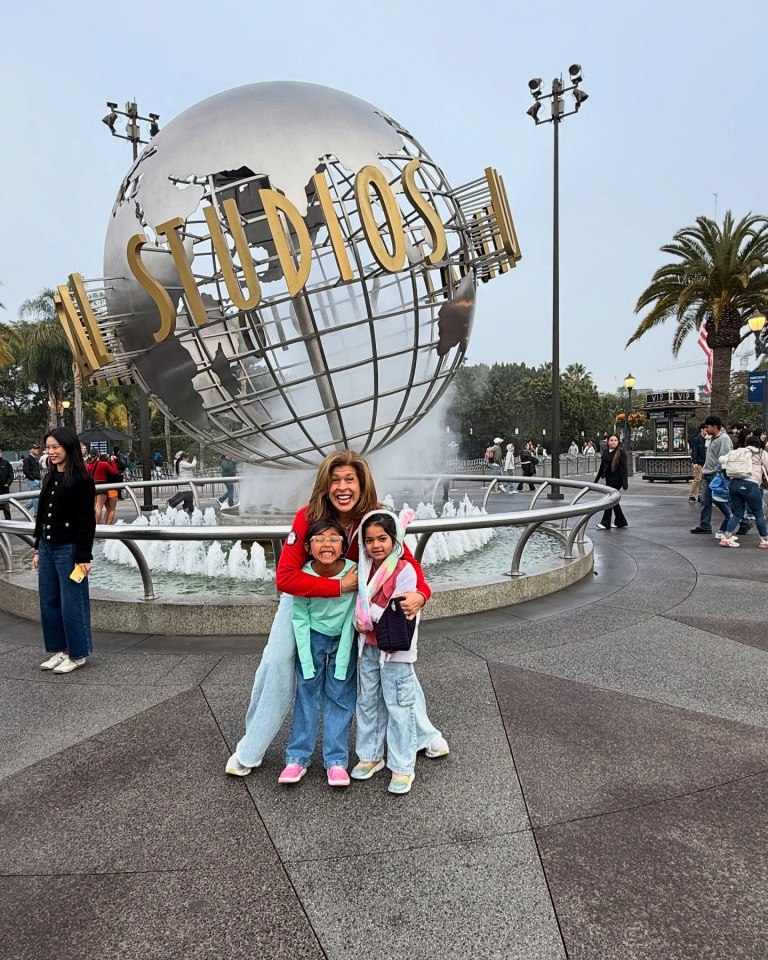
(235, 768)
(67, 665)
(54, 661)
(600, 526)
(437, 748)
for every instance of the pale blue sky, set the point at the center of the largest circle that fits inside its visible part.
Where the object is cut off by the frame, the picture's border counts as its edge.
(676, 114)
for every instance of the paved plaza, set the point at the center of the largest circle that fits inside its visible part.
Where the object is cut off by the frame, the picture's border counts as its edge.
(605, 795)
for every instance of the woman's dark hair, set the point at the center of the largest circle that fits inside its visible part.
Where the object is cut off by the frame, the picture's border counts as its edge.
(753, 440)
(70, 442)
(177, 461)
(327, 523)
(616, 458)
(383, 520)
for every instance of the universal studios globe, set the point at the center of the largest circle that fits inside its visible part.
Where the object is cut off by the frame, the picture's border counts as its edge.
(288, 272)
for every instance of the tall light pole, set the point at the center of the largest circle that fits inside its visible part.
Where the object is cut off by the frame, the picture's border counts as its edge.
(756, 323)
(557, 115)
(629, 382)
(133, 136)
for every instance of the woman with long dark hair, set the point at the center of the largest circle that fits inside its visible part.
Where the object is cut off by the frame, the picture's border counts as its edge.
(613, 466)
(64, 530)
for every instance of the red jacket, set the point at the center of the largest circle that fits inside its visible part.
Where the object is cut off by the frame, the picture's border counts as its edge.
(103, 472)
(290, 578)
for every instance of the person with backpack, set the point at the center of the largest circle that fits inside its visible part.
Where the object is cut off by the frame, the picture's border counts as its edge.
(747, 469)
(719, 445)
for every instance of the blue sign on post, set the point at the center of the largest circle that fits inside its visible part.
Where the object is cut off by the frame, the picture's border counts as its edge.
(756, 390)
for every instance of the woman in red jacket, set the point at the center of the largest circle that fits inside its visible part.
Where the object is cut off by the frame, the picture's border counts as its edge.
(344, 490)
(103, 471)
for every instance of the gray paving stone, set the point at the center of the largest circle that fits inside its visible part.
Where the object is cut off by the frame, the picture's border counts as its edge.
(581, 752)
(183, 915)
(471, 794)
(714, 596)
(135, 670)
(42, 718)
(674, 880)
(753, 631)
(668, 662)
(486, 900)
(116, 800)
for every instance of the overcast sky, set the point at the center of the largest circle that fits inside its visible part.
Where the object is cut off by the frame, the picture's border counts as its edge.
(674, 127)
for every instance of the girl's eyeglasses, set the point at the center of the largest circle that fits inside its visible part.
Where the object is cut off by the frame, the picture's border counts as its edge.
(320, 540)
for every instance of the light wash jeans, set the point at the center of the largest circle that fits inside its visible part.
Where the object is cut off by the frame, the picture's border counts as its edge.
(65, 608)
(391, 704)
(323, 693)
(31, 505)
(272, 691)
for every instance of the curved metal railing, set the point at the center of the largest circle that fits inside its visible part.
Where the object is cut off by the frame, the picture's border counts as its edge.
(531, 519)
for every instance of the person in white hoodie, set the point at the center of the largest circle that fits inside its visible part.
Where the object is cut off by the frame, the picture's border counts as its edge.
(747, 493)
(185, 469)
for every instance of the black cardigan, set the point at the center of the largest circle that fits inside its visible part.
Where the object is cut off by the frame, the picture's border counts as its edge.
(613, 478)
(65, 514)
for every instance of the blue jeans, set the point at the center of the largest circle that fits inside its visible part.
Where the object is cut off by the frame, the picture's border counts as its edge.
(746, 494)
(391, 704)
(32, 485)
(65, 606)
(705, 519)
(272, 688)
(322, 693)
(229, 496)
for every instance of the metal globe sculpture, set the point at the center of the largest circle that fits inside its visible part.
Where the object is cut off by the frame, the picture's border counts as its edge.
(288, 272)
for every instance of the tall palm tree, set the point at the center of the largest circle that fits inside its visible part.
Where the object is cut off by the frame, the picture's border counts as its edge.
(719, 276)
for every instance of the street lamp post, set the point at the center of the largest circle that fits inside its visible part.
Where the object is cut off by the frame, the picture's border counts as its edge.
(558, 114)
(756, 324)
(629, 382)
(133, 136)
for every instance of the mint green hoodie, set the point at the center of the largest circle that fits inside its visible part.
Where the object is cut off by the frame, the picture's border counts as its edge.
(333, 616)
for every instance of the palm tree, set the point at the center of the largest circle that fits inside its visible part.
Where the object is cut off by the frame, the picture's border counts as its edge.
(45, 356)
(719, 276)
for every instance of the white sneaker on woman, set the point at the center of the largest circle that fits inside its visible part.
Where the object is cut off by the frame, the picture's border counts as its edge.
(67, 665)
(54, 661)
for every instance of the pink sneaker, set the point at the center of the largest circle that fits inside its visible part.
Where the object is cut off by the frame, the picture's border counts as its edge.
(338, 777)
(292, 773)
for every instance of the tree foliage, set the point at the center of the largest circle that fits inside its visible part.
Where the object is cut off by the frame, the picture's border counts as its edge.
(514, 401)
(718, 277)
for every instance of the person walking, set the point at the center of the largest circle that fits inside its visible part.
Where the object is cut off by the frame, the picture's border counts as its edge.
(719, 445)
(613, 467)
(746, 494)
(528, 463)
(228, 469)
(509, 465)
(698, 447)
(6, 479)
(63, 552)
(30, 468)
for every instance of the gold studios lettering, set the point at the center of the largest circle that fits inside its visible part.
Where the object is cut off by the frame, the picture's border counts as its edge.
(283, 219)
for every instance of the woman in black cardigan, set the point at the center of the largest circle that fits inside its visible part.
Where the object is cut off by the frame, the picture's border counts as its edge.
(64, 530)
(613, 466)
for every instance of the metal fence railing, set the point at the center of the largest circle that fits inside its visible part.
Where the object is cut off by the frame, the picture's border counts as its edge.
(577, 511)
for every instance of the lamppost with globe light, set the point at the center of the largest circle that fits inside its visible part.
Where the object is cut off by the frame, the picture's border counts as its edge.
(756, 323)
(61, 407)
(629, 382)
(557, 115)
(133, 136)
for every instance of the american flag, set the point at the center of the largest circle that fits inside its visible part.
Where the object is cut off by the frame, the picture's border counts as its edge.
(703, 343)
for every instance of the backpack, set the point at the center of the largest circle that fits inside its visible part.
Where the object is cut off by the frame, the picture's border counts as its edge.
(738, 464)
(490, 454)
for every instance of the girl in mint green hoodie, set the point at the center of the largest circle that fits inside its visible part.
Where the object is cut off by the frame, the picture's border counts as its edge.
(325, 667)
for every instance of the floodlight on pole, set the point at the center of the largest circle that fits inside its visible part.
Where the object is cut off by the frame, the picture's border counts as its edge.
(558, 113)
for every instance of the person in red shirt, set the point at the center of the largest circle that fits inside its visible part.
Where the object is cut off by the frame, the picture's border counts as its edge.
(106, 500)
(344, 490)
